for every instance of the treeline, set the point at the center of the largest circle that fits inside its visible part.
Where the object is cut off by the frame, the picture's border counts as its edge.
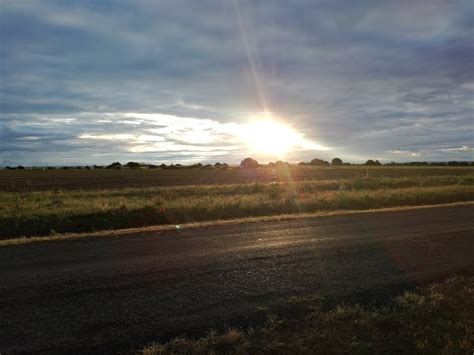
(247, 163)
(130, 165)
(252, 163)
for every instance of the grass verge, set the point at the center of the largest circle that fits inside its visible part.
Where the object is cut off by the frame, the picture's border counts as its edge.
(434, 319)
(52, 212)
(171, 227)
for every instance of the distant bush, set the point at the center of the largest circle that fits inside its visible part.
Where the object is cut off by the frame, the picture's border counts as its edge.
(115, 165)
(458, 163)
(132, 165)
(194, 166)
(336, 162)
(372, 162)
(151, 166)
(319, 162)
(221, 165)
(249, 163)
(20, 167)
(281, 164)
(172, 166)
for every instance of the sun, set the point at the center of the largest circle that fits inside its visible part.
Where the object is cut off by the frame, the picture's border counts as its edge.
(268, 136)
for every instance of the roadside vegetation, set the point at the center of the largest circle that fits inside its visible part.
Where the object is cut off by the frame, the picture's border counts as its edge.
(42, 213)
(433, 319)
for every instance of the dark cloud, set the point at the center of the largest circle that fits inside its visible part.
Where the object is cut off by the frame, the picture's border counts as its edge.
(369, 78)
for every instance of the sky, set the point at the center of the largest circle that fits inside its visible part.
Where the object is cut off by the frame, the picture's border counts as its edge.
(91, 82)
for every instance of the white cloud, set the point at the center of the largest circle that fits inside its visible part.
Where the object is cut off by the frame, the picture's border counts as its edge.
(404, 152)
(464, 148)
(170, 133)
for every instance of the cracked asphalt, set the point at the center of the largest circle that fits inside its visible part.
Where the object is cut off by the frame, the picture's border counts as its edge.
(118, 294)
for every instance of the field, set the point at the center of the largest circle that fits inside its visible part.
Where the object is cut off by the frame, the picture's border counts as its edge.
(42, 203)
(297, 259)
(81, 179)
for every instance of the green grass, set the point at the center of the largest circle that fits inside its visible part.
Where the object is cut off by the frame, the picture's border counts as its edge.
(434, 319)
(51, 212)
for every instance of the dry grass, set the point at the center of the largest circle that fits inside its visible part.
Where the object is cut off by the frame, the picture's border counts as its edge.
(52, 212)
(170, 227)
(435, 319)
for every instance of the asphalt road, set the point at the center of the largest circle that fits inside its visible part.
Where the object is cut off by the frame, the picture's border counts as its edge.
(121, 293)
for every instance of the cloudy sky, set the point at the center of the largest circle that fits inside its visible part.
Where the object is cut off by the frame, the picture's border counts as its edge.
(91, 82)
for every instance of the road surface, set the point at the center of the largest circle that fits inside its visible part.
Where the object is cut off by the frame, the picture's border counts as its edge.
(109, 294)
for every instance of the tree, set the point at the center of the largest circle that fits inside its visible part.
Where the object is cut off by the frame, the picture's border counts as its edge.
(281, 164)
(115, 165)
(336, 162)
(371, 162)
(249, 163)
(319, 162)
(132, 165)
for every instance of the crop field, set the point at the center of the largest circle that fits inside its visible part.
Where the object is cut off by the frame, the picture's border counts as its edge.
(73, 201)
(81, 179)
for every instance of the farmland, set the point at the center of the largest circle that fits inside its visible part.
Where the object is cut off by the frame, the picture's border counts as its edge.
(42, 203)
(81, 179)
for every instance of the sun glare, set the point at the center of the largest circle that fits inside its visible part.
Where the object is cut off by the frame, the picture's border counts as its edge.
(268, 136)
